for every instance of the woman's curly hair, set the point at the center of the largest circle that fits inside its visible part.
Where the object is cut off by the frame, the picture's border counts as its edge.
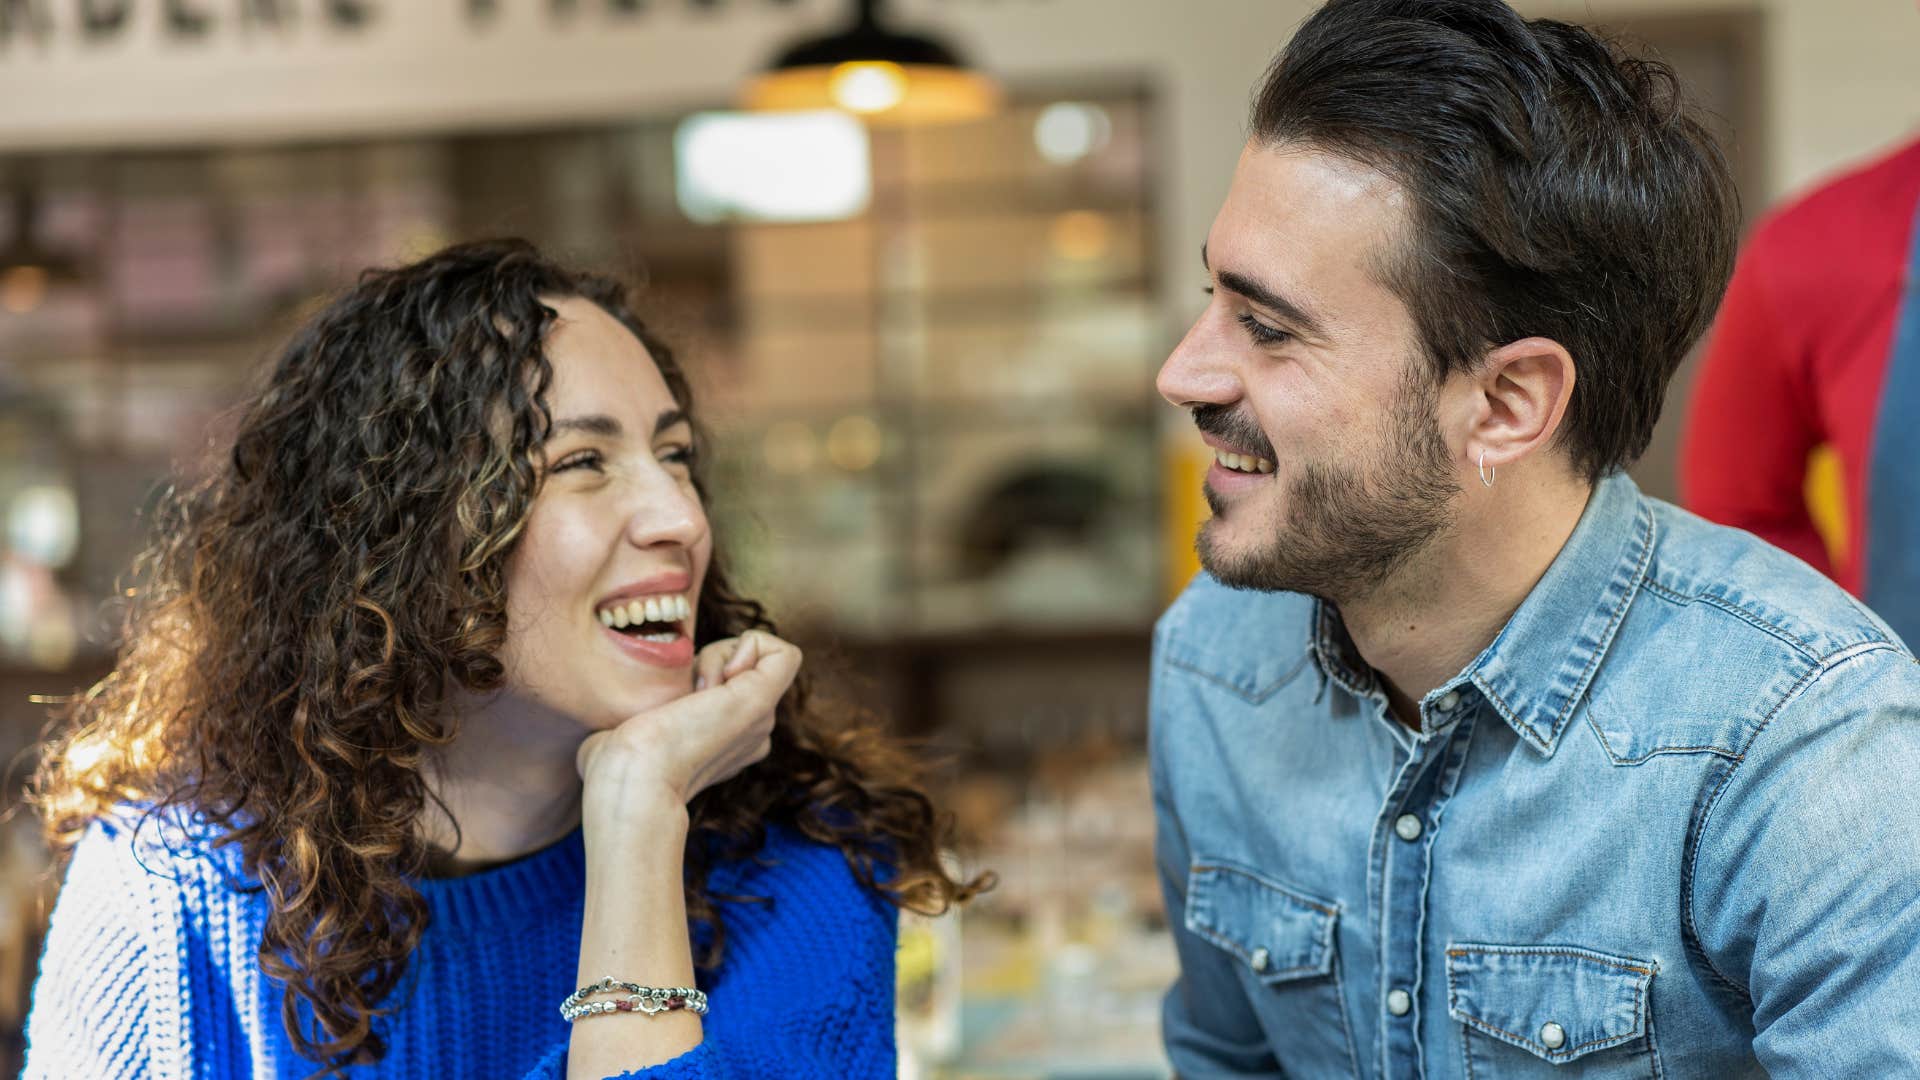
(301, 616)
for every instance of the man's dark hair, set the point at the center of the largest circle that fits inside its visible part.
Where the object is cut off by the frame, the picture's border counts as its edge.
(1560, 188)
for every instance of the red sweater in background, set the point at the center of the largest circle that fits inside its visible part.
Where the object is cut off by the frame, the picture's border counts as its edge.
(1798, 357)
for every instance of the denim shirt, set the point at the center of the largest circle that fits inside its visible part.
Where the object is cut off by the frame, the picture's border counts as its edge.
(1666, 825)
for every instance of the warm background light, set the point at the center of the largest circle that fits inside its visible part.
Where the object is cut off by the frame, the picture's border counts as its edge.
(1081, 235)
(854, 443)
(789, 447)
(880, 91)
(867, 87)
(22, 288)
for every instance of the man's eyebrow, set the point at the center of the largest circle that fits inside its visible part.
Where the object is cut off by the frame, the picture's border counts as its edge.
(1295, 315)
(609, 428)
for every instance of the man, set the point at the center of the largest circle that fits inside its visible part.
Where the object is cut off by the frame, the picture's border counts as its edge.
(1818, 344)
(1471, 761)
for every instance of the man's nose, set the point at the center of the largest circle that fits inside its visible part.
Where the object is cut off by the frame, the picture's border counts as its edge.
(1199, 370)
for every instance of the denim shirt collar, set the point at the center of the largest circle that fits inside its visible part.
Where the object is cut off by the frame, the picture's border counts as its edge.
(1537, 670)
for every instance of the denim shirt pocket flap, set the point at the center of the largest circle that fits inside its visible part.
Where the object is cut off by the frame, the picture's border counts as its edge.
(1667, 725)
(1251, 674)
(1279, 933)
(1556, 1002)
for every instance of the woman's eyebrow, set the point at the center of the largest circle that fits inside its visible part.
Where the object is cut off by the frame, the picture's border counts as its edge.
(668, 418)
(610, 428)
(597, 424)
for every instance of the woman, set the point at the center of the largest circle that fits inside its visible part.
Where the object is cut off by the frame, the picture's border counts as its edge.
(435, 705)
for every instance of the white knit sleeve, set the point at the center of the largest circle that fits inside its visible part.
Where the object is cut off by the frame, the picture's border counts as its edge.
(108, 1002)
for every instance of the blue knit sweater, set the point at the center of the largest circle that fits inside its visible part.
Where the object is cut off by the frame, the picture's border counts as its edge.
(151, 970)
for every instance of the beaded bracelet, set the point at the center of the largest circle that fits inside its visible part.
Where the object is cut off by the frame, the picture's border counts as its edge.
(651, 1000)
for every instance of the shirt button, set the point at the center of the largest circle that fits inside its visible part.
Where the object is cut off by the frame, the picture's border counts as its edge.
(1553, 1035)
(1259, 960)
(1407, 827)
(1399, 1002)
(1448, 701)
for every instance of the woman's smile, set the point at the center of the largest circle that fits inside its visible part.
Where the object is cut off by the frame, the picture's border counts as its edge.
(652, 620)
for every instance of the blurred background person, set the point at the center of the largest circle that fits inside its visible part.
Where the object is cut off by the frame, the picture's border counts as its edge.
(1804, 427)
(924, 314)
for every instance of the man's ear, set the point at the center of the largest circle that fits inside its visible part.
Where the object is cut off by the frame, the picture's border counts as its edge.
(1522, 390)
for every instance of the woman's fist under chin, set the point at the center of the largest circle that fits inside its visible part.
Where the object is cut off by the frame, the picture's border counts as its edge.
(657, 760)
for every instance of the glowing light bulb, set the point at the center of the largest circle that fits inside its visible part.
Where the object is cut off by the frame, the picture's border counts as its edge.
(868, 86)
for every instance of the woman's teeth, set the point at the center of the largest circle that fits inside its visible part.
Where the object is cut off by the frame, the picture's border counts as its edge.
(1245, 463)
(652, 609)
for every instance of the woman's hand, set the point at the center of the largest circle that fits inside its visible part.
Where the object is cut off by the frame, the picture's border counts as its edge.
(658, 760)
(639, 778)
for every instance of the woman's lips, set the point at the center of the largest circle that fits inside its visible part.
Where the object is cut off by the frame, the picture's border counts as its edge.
(677, 653)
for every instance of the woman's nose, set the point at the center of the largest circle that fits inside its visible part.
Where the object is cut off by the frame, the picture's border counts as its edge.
(666, 510)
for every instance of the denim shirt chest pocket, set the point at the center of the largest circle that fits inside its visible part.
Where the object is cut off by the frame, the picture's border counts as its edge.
(1253, 678)
(1284, 941)
(1528, 1011)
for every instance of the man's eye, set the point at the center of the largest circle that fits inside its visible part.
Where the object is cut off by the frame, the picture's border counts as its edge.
(1261, 333)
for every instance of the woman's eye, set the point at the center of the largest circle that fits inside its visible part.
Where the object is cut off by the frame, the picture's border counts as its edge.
(585, 459)
(1261, 333)
(678, 455)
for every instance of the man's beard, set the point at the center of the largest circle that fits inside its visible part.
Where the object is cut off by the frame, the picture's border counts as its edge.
(1347, 527)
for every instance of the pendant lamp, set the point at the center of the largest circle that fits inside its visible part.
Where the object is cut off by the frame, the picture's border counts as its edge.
(877, 72)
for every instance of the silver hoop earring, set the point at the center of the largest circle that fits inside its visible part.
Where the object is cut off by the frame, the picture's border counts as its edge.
(1485, 478)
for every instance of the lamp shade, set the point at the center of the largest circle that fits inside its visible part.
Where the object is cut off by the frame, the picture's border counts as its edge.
(882, 74)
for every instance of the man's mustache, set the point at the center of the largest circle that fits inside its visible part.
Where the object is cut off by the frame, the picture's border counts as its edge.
(1235, 428)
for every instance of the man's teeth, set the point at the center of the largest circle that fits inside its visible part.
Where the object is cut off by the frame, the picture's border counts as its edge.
(673, 608)
(1245, 463)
